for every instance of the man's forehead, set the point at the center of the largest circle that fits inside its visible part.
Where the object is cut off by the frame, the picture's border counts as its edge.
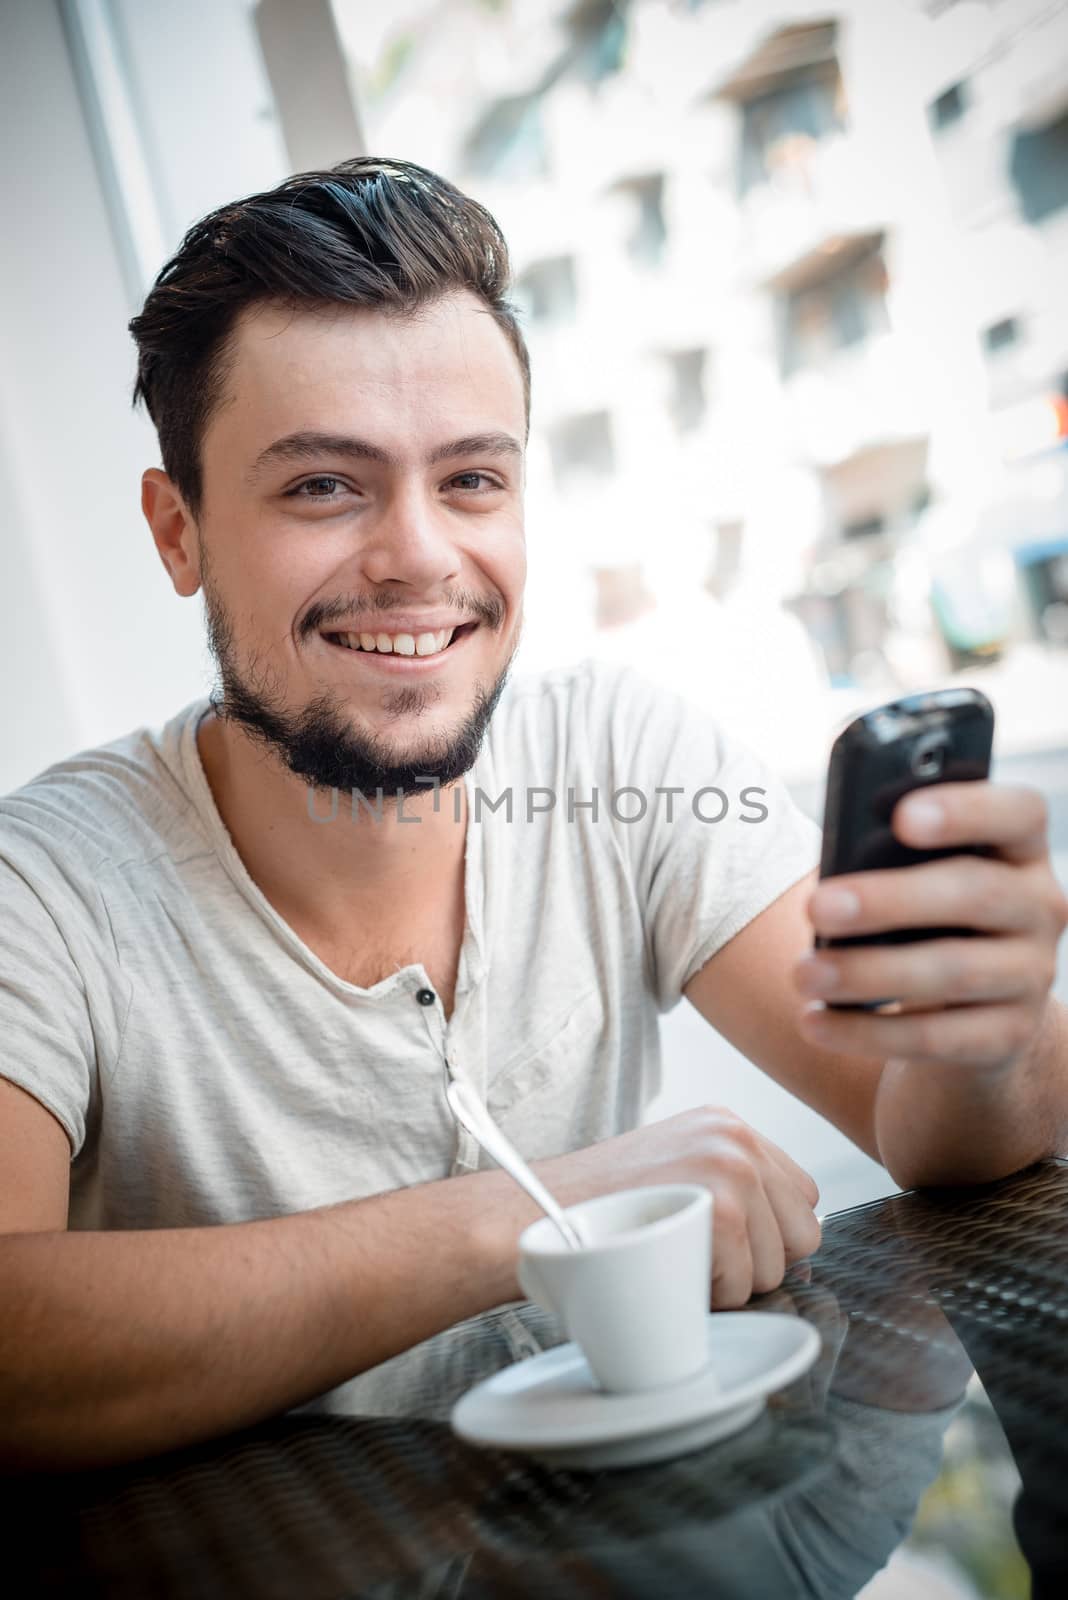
(295, 368)
(271, 330)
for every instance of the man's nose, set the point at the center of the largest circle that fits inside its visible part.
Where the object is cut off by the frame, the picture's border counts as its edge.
(410, 542)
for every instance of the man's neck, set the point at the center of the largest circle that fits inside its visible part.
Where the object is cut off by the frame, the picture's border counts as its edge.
(330, 874)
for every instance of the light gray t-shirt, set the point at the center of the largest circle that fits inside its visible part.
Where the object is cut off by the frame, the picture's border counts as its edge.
(209, 1068)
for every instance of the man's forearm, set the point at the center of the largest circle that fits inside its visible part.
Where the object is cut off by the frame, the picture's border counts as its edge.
(939, 1124)
(117, 1345)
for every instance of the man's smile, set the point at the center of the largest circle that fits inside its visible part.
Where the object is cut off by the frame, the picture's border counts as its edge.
(402, 650)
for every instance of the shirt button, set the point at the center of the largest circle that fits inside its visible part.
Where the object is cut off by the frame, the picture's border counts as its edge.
(425, 997)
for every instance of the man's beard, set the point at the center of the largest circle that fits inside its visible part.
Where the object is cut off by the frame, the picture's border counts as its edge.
(317, 743)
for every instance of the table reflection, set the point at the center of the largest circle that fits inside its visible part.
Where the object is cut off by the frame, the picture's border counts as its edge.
(910, 1295)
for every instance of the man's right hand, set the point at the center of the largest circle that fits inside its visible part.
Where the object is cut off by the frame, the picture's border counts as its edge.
(763, 1203)
(115, 1345)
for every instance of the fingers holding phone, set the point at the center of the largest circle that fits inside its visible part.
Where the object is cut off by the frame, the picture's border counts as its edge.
(879, 760)
(921, 855)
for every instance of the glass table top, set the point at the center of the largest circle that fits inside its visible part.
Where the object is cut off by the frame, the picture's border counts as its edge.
(925, 1455)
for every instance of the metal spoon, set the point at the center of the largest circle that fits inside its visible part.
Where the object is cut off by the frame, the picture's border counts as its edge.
(469, 1111)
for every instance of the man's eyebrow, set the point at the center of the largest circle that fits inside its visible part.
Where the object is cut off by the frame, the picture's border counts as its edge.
(308, 446)
(476, 444)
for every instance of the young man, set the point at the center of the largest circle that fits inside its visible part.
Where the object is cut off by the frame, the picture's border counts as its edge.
(233, 977)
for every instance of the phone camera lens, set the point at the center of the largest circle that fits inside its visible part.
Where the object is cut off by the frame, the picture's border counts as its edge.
(928, 758)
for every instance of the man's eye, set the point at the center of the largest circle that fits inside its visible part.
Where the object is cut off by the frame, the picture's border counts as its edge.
(315, 488)
(463, 479)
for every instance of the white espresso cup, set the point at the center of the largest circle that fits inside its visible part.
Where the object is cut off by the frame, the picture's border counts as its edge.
(636, 1296)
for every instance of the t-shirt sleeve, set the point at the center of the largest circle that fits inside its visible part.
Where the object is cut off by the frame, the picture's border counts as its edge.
(46, 1035)
(721, 837)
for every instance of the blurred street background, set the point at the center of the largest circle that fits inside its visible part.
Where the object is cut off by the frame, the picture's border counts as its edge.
(793, 280)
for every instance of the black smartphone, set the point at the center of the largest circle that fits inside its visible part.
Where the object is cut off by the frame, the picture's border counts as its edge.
(942, 736)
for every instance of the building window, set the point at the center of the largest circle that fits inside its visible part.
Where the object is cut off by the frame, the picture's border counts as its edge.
(581, 449)
(780, 129)
(546, 290)
(864, 528)
(949, 107)
(687, 388)
(509, 141)
(1000, 335)
(600, 31)
(1039, 167)
(725, 562)
(841, 310)
(646, 236)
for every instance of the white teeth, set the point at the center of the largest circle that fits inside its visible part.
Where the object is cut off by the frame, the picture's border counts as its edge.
(400, 644)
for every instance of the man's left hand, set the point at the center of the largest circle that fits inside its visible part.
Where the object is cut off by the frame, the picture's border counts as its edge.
(967, 1001)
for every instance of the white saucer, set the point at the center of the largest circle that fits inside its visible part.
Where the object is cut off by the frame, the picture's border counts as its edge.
(550, 1406)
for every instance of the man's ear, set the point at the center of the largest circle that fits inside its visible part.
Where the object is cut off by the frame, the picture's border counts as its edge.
(173, 530)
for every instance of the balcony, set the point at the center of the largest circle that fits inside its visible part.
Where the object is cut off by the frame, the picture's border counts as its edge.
(818, 203)
(867, 397)
(804, 185)
(1025, 84)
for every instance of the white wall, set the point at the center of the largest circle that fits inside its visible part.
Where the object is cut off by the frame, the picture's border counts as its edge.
(37, 718)
(203, 102)
(93, 640)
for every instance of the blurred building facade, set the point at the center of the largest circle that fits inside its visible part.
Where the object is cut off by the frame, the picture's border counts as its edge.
(792, 279)
(793, 283)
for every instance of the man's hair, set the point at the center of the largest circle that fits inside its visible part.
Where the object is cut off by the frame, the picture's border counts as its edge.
(386, 235)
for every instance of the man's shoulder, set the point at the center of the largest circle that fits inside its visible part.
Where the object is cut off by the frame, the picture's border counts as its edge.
(104, 805)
